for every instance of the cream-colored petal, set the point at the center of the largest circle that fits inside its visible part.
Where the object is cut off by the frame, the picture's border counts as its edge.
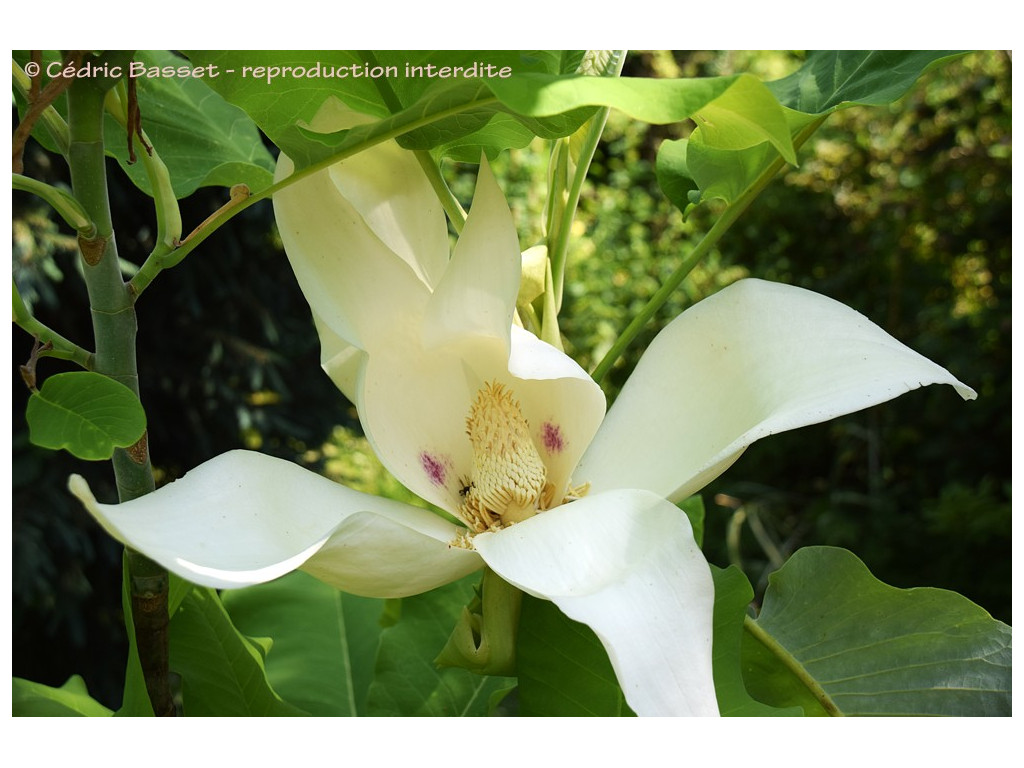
(624, 563)
(244, 518)
(477, 295)
(754, 359)
(342, 362)
(354, 283)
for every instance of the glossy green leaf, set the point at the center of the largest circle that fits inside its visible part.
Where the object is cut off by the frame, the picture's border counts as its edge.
(222, 671)
(70, 700)
(407, 682)
(563, 669)
(861, 647)
(85, 413)
(324, 641)
(733, 594)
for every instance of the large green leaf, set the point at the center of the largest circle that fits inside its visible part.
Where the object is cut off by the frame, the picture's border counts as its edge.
(86, 413)
(70, 700)
(324, 641)
(407, 681)
(222, 671)
(834, 639)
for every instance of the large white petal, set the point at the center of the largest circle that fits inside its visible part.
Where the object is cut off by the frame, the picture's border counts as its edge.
(244, 518)
(624, 563)
(754, 359)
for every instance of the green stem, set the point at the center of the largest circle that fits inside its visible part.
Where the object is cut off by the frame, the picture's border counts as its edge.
(61, 347)
(451, 206)
(114, 328)
(725, 221)
(558, 240)
(64, 204)
(794, 666)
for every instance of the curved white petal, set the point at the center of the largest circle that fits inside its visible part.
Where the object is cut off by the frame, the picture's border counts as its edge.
(244, 518)
(624, 563)
(355, 284)
(754, 359)
(477, 295)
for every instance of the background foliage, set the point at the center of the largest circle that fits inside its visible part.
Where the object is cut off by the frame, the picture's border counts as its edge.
(901, 212)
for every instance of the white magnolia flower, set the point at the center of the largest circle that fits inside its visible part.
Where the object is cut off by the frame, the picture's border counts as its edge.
(508, 434)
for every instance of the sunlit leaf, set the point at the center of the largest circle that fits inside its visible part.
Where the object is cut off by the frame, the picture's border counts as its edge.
(70, 700)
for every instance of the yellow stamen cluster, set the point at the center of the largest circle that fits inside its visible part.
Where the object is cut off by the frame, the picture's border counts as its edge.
(509, 481)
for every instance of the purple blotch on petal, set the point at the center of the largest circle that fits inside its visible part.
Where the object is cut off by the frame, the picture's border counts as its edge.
(551, 434)
(434, 467)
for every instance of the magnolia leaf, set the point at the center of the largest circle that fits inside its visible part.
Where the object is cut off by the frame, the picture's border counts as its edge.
(222, 671)
(85, 413)
(325, 641)
(406, 680)
(70, 700)
(833, 639)
(563, 668)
